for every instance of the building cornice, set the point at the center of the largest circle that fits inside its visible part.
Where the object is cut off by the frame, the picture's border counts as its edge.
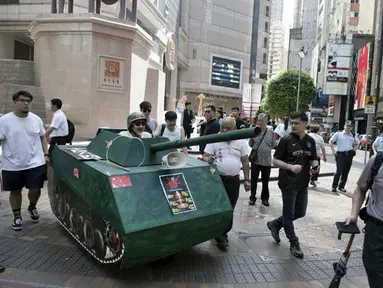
(91, 23)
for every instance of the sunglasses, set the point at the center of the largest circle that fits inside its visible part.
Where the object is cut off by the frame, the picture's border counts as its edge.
(147, 110)
(140, 123)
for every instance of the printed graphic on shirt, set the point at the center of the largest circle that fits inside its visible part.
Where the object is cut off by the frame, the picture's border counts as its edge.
(177, 193)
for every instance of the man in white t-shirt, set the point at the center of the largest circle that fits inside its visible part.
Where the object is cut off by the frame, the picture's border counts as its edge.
(171, 130)
(24, 157)
(321, 152)
(58, 130)
(229, 157)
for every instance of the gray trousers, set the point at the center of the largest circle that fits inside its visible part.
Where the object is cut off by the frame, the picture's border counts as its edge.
(373, 252)
(294, 207)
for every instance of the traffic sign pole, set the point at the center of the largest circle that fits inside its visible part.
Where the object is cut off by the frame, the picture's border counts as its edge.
(369, 130)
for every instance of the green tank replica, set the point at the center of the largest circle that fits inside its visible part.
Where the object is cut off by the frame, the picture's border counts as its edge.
(138, 200)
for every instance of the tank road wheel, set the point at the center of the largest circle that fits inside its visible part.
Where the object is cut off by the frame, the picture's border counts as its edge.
(88, 233)
(113, 240)
(52, 200)
(57, 204)
(80, 228)
(99, 244)
(73, 221)
(61, 208)
(67, 212)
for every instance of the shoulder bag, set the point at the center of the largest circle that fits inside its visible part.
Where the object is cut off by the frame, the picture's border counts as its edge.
(253, 157)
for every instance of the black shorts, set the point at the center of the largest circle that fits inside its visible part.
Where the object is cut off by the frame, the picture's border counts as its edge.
(31, 178)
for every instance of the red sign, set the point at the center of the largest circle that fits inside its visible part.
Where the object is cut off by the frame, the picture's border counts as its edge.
(362, 76)
(119, 181)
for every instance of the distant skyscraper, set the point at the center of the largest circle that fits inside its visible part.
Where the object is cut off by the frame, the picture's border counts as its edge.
(304, 33)
(276, 45)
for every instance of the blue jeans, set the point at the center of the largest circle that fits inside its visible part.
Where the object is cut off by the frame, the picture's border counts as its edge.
(294, 207)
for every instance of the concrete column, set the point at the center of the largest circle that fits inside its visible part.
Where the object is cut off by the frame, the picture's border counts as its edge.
(91, 6)
(134, 11)
(98, 6)
(173, 82)
(154, 92)
(54, 6)
(70, 6)
(7, 45)
(61, 6)
(122, 9)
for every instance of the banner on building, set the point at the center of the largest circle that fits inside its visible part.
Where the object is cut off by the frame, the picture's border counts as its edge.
(251, 99)
(338, 63)
(314, 65)
(331, 105)
(362, 76)
(319, 105)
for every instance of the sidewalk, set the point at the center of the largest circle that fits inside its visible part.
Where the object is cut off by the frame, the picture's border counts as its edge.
(44, 255)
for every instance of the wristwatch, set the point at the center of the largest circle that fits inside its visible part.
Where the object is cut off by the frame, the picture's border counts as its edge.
(46, 155)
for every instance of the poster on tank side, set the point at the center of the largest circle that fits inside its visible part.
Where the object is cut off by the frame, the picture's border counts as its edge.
(177, 193)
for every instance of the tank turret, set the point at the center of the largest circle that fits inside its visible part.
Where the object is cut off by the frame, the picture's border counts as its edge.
(120, 202)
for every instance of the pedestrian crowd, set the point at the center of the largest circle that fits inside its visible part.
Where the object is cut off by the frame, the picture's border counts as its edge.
(298, 152)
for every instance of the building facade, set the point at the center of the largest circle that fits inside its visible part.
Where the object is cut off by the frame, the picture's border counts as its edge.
(277, 38)
(343, 22)
(303, 36)
(214, 43)
(145, 73)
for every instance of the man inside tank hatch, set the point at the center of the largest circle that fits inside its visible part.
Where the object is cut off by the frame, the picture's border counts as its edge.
(136, 124)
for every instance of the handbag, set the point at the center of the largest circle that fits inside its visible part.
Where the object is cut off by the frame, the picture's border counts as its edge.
(253, 157)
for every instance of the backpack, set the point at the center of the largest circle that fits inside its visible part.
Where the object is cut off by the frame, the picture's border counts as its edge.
(163, 126)
(148, 129)
(163, 129)
(71, 130)
(378, 161)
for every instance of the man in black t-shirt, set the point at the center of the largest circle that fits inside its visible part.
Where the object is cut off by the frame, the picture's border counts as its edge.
(212, 126)
(240, 124)
(188, 119)
(294, 155)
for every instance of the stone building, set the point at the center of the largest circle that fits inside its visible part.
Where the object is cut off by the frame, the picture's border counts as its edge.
(214, 41)
(42, 51)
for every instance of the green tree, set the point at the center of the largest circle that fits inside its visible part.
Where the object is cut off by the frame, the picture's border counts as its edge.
(282, 90)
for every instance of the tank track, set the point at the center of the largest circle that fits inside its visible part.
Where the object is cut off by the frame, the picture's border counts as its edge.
(93, 233)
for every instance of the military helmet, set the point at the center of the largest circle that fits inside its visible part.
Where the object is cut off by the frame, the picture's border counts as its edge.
(134, 116)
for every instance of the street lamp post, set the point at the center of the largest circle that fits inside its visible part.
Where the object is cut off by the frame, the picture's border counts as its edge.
(301, 55)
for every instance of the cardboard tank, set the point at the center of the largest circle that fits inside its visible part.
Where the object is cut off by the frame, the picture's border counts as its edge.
(138, 200)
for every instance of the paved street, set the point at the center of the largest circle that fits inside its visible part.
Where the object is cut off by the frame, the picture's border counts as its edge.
(43, 254)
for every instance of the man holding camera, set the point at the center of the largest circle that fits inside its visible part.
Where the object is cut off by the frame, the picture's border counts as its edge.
(371, 178)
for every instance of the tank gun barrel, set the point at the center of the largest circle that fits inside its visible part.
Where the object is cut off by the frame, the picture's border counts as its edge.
(214, 138)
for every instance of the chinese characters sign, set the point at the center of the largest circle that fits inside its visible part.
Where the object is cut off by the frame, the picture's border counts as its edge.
(177, 193)
(111, 73)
